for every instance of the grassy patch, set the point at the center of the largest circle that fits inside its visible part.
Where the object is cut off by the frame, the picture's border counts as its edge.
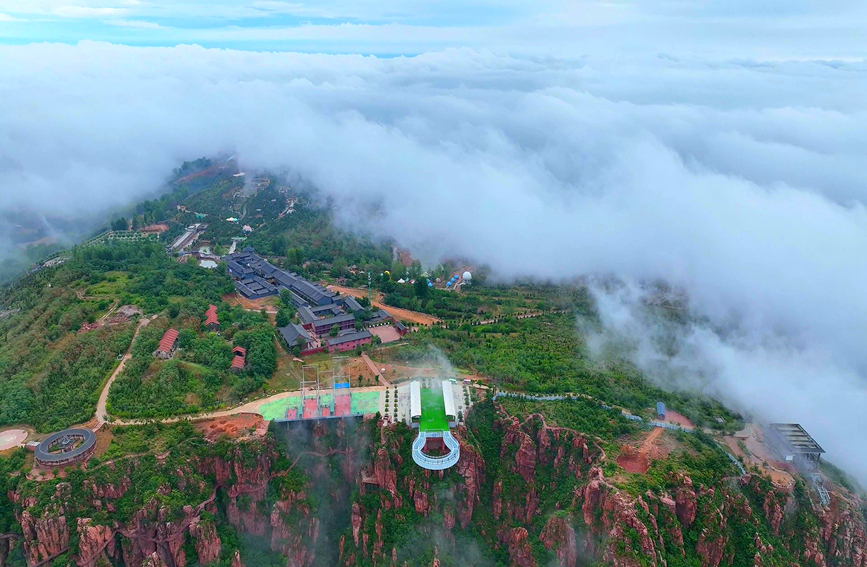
(582, 415)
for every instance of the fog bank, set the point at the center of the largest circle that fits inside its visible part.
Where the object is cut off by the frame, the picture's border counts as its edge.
(740, 181)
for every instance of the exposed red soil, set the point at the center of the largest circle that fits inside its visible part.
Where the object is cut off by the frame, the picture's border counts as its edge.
(402, 314)
(358, 367)
(678, 419)
(631, 461)
(266, 303)
(638, 460)
(235, 426)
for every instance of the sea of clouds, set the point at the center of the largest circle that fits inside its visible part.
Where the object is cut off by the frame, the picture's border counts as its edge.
(740, 181)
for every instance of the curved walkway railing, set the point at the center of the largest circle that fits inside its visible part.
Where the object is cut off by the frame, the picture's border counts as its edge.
(436, 463)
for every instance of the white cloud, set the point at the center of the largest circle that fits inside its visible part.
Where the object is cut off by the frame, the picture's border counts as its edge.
(71, 11)
(740, 181)
(142, 24)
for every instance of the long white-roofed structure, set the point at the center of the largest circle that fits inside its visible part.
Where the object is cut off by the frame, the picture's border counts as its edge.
(415, 401)
(449, 401)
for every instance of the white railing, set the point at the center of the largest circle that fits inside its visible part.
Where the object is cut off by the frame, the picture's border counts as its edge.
(436, 463)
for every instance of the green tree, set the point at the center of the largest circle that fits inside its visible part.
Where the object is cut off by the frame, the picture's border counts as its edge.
(119, 224)
(421, 288)
(339, 267)
(335, 330)
(283, 317)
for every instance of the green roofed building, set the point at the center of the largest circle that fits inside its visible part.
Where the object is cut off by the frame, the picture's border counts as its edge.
(432, 411)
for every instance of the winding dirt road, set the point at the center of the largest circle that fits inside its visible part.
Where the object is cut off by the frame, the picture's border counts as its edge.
(101, 413)
(402, 314)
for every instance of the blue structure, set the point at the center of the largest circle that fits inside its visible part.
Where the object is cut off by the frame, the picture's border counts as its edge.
(660, 410)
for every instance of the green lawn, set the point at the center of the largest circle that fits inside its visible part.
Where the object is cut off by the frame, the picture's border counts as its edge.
(433, 411)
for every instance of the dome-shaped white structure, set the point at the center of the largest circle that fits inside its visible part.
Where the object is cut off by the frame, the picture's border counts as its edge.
(467, 276)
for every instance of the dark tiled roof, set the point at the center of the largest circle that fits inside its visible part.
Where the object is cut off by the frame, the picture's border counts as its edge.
(379, 316)
(306, 314)
(330, 321)
(331, 309)
(291, 333)
(312, 292)
(255, 286)
(285, 279)
(352, 304)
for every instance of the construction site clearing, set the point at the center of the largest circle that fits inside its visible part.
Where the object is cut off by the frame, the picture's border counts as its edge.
(749, 445)
(238, 426)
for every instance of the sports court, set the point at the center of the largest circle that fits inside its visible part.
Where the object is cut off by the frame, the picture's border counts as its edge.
(340, 404)
(364, 403)
(281, 409)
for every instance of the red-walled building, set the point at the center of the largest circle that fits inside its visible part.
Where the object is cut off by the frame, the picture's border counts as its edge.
(348, 341)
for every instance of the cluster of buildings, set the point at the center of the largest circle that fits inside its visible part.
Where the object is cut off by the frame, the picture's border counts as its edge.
(239, 360)
(319, 309)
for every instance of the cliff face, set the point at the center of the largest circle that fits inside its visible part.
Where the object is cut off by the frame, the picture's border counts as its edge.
(531, 493)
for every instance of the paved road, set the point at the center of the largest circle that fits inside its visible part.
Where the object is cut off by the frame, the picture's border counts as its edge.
(101, 413)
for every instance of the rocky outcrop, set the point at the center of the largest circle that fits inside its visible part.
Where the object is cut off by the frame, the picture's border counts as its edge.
(525, 456)
(44, 537)
(843, 531)
(559, 536)
(355, 521)
(543, 470)
(685, 502)
(153, 560)
(207, 543)
(471, 467)
(386, 475)
(94, 543)
(712, 540)
(520, 552)
(236, 559)
(296, 539)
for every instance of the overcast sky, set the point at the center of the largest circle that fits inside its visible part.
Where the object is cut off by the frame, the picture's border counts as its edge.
(771, 29)
(718, 145)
